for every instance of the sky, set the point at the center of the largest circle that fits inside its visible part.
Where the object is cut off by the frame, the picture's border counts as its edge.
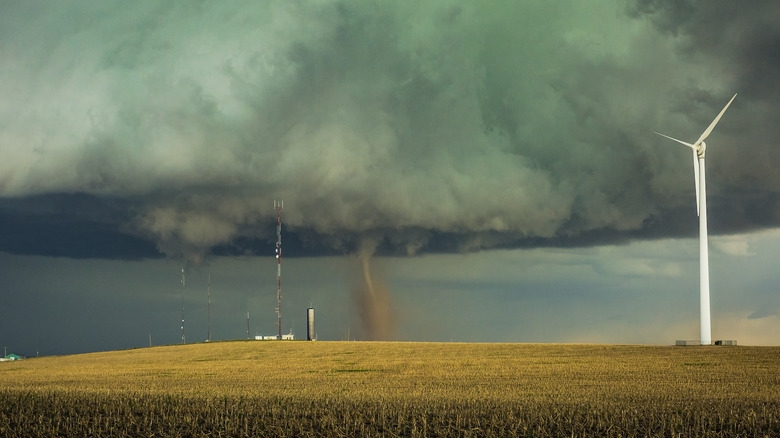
(450, 172)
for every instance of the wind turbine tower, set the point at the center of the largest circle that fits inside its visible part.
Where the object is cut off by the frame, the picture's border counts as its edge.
(699, 148)
(278, 206)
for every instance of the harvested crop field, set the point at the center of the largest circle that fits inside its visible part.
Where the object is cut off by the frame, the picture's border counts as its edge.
(253, 388)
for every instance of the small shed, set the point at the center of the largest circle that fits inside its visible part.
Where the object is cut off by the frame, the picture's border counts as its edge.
(12, 357)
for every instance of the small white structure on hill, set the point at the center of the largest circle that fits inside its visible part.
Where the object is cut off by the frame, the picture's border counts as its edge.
(287, 337)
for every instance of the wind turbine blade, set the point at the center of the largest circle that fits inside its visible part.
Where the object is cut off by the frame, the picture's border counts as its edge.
(678, 141)
(714, 122)
(696, 178)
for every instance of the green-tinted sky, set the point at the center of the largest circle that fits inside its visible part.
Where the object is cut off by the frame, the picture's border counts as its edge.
(163, 131)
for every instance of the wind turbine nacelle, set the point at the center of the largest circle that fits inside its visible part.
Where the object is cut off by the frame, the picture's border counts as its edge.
(702, 147)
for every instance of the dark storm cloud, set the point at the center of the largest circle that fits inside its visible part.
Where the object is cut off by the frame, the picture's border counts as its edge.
(741, 42)
(743, 38)
(77, 226)
(433, 127)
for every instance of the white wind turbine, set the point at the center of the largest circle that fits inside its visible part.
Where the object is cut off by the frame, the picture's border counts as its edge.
(699, 147)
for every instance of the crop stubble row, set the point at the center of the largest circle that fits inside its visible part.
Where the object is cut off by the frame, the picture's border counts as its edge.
(396, 389)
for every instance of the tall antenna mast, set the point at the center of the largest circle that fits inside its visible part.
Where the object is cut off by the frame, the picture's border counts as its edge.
(278, 206)
(208, 334)
(183, 286)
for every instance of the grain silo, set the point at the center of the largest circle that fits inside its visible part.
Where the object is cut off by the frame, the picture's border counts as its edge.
(310, 334)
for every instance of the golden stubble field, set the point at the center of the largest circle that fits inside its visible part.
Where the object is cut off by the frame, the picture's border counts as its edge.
(255, 388)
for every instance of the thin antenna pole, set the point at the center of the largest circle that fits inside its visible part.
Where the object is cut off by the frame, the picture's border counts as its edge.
(247, 326)
(278, 206)
(183, 286)
(208, 334)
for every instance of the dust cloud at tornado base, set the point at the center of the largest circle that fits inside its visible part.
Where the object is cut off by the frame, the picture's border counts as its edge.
(373, 300)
